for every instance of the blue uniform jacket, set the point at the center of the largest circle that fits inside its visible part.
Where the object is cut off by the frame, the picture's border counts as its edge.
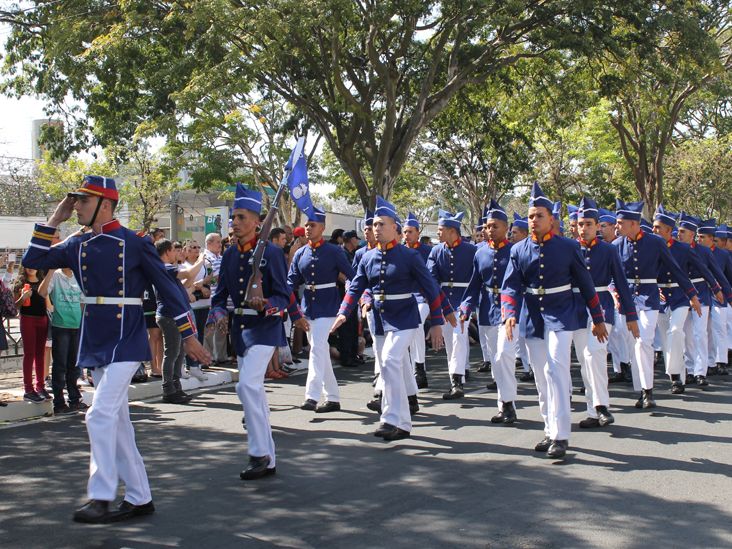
(603, 264)
(643, 259)
(555, 262)
(115, 263)
(724, 262)
(450, 266)
(316, 264)
(358, 256)
(394, 270)
(163, 309)
(484, 290)
(256, 328)
(707, 258)
(699, 274)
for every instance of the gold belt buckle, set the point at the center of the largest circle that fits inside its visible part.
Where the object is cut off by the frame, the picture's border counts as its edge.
(380, 297)
(311, 287)
(637, 280)
(496, 290)
(540, 291)
(100, 300)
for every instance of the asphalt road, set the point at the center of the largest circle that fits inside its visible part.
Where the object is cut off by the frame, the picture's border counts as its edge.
(660, 479)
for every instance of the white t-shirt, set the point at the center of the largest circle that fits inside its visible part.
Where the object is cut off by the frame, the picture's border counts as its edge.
(199, 303)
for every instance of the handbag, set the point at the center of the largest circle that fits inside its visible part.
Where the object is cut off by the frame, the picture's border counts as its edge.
(7, 303)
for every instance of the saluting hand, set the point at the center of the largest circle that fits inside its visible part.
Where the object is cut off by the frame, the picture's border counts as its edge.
(339, 321)
(62, 212)
(600, 332)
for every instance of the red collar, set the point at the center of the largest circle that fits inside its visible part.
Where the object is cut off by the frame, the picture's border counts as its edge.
(315, 245)
(497, 245)
(589, 244)
(110, 226)
(387, 246)
(693, 244)
(547, 236)
(458, 241)
(248, 245)
(670, 242)
(638, 237)
(713, 247)
(412, 246)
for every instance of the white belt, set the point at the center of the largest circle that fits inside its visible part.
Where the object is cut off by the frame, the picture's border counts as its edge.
(670, 285)
(313, 287)
(492, 289)
(454, 284)
(103, 300)
(547, 291)
(697, 280)
(642, 281)
(243, 312)
(598, 289)
(391, 297)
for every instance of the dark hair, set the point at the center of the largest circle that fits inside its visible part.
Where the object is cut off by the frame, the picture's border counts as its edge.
(425, 240)
(177, 245)
(163, 246)
(21, 280)
(275, 233)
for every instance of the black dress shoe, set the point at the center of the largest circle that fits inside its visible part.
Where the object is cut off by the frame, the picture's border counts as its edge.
(616, 377)
(589, 423)
(467, 375)
(384, 429)
(127, 510)
(413, 404)
(701, 381)
(543, 445)
(396, 434)
(722, 369)
(506, 415)
(492, 386)
(420, 376)
(95, 511)
(558, 449)
(374, 405)
(604, 416)
(177, 398)
(527, 376)
(647, 397)
(677, 388)
(712, 371)
(257, 468)
(328, 406)
(309, 405)
(456, 391)
(486, 367)
(690, 379)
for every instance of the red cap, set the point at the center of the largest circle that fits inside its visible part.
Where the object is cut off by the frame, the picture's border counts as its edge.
(298, 231)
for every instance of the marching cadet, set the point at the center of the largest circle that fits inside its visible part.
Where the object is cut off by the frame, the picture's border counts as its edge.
(451, 265)
(720, 241)
(393, 273)
(557, 223)
(717, 333)
(643, 256)
(543, 270)
(484, 295)
(603, 265)
(572, 214)
(113, 267)
(519, 231)
(316, 267)
(417, 349)
(673, 319)
(257, 325)
(485, 350)
(478, 234)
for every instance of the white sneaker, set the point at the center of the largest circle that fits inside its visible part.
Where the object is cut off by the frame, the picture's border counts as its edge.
(198, 374)
(184, 373)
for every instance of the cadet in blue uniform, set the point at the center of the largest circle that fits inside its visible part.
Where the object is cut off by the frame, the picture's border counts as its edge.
(674, 316)
(573, 221)
(483, 294)
(393, 273)
(316, 267)
(717, 332)
(519, 231)
(643, 257)
(257, 327)
(451, 265)
(113, 267)
(417, 349)
(603, 265)
(542, 270)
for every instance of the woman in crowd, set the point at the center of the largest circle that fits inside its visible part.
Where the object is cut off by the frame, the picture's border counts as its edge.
(33, 331)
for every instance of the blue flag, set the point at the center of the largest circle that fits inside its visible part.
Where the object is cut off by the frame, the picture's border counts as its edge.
(297, 179)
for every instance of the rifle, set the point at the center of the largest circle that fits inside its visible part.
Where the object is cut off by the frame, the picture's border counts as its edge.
(254, 286)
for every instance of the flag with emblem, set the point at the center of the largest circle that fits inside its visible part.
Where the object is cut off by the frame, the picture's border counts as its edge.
(297, 178)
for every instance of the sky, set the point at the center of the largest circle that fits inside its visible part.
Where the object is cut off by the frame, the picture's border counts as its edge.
(16, 117)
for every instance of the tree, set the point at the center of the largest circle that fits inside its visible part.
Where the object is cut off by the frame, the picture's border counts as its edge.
(369, 75)
(20, 194)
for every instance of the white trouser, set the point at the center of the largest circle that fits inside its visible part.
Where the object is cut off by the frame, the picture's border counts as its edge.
(486, 349)
(378, 340)
(642, 358)
(729, 326)
(592, 356)
(394, 404)
(417, 347)
(550, 358)
(697, 343)
(321, 379)
(410, 382)
(523, 353)
(617, 343)
(718, 336)
(456, 347)
(671, 332)
(114, 454)
(250, 388)
(504, 364)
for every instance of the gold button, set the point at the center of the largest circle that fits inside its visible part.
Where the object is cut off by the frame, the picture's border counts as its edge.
(121, 243)
(120, 280)
(241, 280)
(83, 267)
(121, 256)
(119, 268)
(83, 254)
(85, 244)
(241, 268)
(241, 291)
(119, 315)
(86, 313)
(541, 265)
(121, 292)
(83, 278)
(120, 304)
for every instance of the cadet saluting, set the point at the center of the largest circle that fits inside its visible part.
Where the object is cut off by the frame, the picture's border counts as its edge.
(113, 267)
